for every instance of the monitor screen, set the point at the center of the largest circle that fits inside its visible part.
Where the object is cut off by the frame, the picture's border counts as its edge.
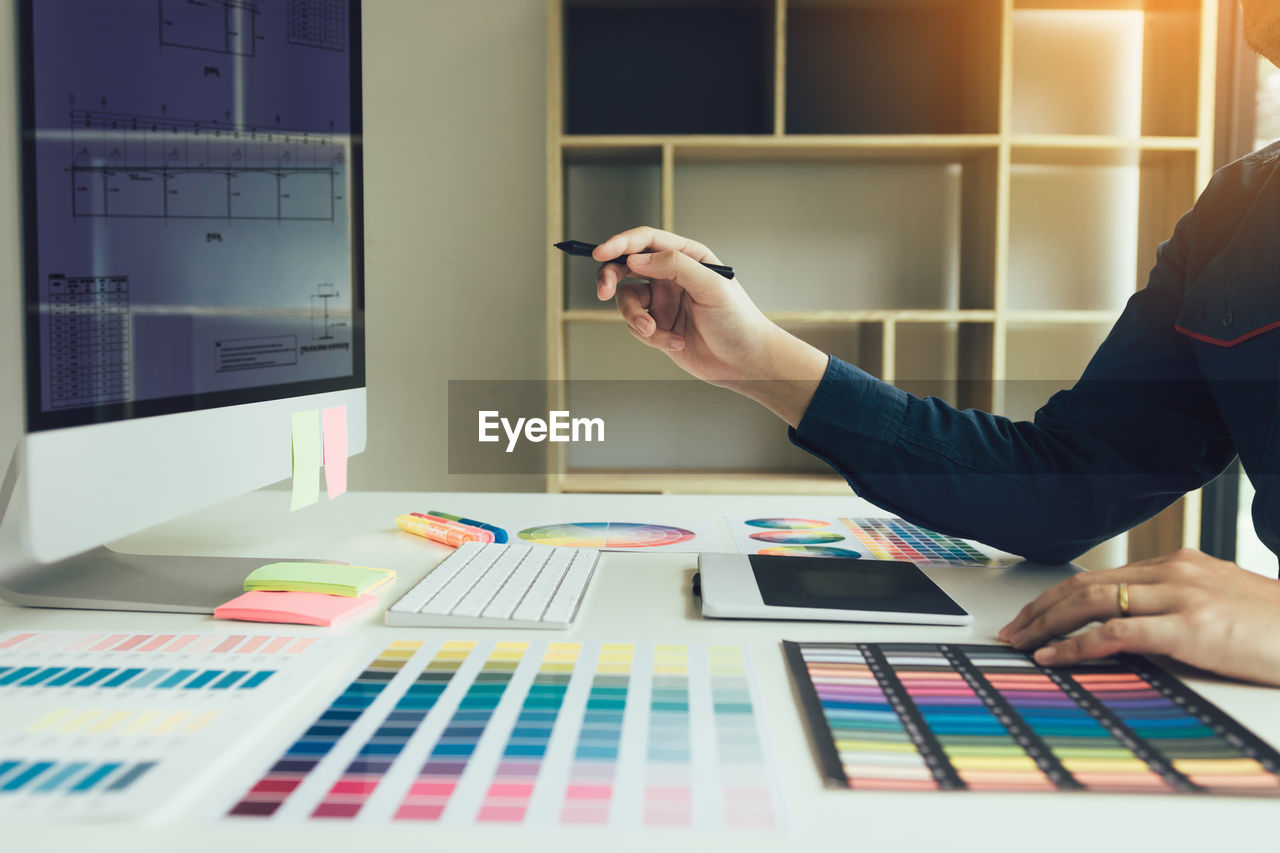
(192, 184)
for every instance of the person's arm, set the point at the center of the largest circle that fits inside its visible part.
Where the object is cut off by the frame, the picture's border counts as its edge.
(1136, 432)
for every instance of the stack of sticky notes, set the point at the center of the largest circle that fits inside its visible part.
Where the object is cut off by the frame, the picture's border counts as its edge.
(305, 593)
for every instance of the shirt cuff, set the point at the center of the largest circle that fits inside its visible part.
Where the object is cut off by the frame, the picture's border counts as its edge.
(853, 420)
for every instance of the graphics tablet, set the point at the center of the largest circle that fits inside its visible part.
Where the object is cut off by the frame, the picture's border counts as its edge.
(756, 586)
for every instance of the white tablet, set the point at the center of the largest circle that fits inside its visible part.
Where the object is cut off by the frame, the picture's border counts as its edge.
(756, 586)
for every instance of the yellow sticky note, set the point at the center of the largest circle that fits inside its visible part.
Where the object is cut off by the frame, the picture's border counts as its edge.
(306, 459)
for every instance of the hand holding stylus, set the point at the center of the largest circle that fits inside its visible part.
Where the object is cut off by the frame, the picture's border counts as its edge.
(705, 323)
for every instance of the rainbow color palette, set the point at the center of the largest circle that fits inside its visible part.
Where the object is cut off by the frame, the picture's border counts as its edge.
(607, 735)
(106, 725)
(606, 534)
(787, 523)
(808, 551)
(940, 717)
(797, 537)
(871, 538)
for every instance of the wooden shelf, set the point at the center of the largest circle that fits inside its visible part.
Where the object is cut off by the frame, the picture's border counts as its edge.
(922, 187)
(678, 481)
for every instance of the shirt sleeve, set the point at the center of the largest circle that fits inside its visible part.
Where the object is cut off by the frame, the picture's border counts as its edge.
(1137, 431)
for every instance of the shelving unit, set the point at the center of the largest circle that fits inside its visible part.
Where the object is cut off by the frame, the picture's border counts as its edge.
(950, 193)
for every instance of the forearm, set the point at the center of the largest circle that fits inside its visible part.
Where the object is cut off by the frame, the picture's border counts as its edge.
(784, 376)
(1047, 490)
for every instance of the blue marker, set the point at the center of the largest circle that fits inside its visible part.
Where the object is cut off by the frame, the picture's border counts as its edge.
(499, 535)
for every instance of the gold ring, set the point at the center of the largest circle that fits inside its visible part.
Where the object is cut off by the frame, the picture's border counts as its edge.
(1123, 595)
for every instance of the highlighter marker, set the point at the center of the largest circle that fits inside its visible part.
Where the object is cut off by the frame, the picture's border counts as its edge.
(443, 532)
(455, 521)
(499, 535)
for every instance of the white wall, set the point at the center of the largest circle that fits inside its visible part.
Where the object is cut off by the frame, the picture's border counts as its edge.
(455, 218)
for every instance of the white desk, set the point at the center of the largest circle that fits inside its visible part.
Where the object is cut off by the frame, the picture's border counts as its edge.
(639, 597)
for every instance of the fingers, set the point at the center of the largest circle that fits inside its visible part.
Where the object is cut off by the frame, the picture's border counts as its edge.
(1093, 602)
(701, 283)
(1141, 634)
(607, 278)
(634, 301)
(646, 239)
(1144, 572)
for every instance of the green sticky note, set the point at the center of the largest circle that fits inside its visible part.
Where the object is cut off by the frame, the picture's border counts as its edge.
(317, 577)
(306, 459)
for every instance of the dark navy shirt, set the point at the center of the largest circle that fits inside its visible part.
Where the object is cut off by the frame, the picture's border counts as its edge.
(1185, 381)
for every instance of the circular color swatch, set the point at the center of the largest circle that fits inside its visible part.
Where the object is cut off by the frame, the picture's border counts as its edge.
(797, 537)
(605, 534)
(788, 523)
(808, 551)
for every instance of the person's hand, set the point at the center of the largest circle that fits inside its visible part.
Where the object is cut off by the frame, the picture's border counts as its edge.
(706, 323)
(1200, 610)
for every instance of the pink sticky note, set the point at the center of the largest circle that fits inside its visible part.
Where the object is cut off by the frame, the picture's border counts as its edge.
(334, 425)
(302, 608)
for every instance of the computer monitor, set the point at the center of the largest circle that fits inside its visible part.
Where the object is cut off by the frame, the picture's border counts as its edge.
(191, 276)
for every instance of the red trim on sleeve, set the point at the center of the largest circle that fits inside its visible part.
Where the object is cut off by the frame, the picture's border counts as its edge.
(1217, 343)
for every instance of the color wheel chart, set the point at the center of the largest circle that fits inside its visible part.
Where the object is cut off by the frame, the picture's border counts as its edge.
(549, 734)
(869, 538)
(607, 534)
(930, 717)
(110, 724)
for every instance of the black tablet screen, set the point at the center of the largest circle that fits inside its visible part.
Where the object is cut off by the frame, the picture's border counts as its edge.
(841, 584)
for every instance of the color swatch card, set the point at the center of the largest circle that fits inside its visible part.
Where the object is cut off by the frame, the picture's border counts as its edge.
(621, 535)
(867, 538)
(107, 725)
(937, 717)
(548, 734)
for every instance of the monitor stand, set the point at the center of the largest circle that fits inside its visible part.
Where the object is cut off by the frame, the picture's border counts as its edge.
(102, 579)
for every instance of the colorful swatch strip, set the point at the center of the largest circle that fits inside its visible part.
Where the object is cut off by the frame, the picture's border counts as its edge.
(507, 800)
(895, 539)
(927, 717)
(71, 778)
(438, 778)
(347, 796)
(302, 756)
(198, 644)
(589, 795)
(606, 735)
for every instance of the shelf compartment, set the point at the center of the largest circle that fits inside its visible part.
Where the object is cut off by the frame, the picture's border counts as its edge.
(890, 67)
(701, 481)
(1073, 232)
(658, 417)
(1045, 358)
(1127, 68)
(665, 67)
(952, 361)
(895, 235)
(605, 195)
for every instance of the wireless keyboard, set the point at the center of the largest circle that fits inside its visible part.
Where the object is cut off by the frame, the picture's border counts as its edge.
(499, 586)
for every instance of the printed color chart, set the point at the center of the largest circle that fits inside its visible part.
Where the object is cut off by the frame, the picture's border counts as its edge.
(869, 538)
(614, 735)
(927, 717)
(109, 725)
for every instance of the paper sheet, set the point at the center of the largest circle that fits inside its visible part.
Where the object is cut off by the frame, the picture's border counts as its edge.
(112, 725)
(616, 735)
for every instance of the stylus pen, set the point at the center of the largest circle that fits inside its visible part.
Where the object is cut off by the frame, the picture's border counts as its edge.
(577, 247)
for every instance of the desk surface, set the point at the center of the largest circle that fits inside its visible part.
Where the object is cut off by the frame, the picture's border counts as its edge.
(645, 597)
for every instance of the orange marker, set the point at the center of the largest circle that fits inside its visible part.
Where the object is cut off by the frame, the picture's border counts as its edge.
(442, 531)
